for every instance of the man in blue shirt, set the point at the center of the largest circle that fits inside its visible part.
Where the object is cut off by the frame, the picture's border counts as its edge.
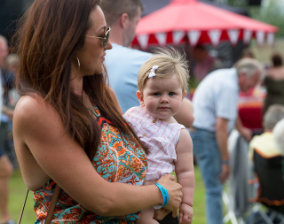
(122, 62)
(215, 103)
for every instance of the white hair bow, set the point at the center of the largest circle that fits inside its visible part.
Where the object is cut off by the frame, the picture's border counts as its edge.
(152, 72)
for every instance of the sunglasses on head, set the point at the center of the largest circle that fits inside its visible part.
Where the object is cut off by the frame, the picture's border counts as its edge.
(104, 39)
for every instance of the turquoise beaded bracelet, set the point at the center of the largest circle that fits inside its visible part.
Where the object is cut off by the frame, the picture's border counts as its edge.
(165, 195)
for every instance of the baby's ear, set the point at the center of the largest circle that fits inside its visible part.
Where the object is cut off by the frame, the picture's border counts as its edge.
(140, 97)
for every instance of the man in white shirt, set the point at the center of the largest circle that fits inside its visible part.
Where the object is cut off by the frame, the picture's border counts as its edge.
(215, 104)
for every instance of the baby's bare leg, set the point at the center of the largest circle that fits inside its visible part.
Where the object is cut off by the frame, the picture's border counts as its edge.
(147, 215)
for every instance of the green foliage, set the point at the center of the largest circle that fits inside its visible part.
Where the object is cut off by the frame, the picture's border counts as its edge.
(271, 12)
(237, 3)
(17, 197)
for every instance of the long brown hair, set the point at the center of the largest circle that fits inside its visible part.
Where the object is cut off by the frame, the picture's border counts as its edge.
(49, 35)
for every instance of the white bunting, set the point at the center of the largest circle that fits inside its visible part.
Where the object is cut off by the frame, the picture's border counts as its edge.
(234, 36)
(260, 37)
(215, 36)
(193, 36)
(177, 36)
(270, 38)
(143, 40)
(247, 36)
(161, 37)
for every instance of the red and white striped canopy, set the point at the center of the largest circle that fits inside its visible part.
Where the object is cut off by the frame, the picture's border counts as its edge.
(195, 22)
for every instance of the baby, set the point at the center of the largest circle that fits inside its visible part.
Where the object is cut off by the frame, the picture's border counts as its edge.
(162, 85)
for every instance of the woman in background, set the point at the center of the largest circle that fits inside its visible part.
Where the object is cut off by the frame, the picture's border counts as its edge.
(274, 82)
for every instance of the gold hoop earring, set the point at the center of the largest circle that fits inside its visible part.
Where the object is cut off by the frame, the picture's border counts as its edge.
(79, 64)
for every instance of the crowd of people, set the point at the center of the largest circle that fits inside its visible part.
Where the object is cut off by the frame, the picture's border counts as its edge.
(111, 128)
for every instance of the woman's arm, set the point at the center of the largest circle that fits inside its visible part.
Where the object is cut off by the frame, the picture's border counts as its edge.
(40, 135)
(185, 174)
(222, 135)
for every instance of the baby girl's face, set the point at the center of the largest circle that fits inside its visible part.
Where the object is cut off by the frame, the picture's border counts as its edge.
(162, 97)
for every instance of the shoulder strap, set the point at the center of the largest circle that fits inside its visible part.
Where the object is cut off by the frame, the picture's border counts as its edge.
(51, 206)
(23, 208)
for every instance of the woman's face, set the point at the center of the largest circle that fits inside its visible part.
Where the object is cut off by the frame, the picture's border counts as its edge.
(92, 54)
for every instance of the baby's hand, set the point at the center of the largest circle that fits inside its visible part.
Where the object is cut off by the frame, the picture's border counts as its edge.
(185, 214)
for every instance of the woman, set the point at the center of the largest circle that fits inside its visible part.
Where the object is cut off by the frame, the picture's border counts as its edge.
(66, 122)
(273, 82)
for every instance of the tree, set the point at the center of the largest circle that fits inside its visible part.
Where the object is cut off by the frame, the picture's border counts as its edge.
(270, 11)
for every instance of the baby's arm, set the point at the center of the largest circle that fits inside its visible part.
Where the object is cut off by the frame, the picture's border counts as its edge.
(185, 175)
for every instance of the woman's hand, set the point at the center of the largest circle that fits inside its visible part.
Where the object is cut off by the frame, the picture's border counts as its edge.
(175, 192)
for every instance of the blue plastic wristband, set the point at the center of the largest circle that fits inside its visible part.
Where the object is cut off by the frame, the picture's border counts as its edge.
(164, 193)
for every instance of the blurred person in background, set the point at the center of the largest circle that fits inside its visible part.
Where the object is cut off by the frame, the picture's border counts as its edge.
(10, 97)
(6, 167)
(203, 62)
(267, 159)
(278, 133)
(274, 82)
(11, 67)
(247, 53)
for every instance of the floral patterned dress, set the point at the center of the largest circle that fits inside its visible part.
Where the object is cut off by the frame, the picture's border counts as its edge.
(118, 159)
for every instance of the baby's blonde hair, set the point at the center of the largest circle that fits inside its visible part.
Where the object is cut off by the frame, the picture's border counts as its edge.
(169, 62)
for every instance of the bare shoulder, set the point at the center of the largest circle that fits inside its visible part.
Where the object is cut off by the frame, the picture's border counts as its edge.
(30, 106)
(276, 73)
(185, 142)
(32, 113)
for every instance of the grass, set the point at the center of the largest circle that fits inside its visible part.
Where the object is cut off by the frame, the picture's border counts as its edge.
(17, 196)
(18, 191)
